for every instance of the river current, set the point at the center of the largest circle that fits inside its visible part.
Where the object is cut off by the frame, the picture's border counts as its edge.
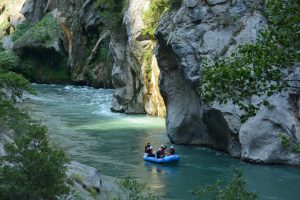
(79, 121)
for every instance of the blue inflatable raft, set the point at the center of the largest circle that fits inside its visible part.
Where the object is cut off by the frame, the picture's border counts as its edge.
(166, 159)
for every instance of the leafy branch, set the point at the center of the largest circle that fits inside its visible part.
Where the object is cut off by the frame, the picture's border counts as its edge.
(257, 69)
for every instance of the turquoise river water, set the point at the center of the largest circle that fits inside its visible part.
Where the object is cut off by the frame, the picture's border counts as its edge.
(79, 120)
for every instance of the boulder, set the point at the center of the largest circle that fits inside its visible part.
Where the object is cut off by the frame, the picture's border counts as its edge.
(86, 176)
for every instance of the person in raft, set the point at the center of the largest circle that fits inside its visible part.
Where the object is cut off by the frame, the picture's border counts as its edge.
(172, 151)
(163, 149)
(159, 153)
(150, 152)
(147, 147)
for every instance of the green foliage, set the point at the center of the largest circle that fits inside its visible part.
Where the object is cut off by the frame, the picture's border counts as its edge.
(156, 9)
(113, 11)
(92, 191)
(235, 190)
(43, 33)
(31, 168)
(289, 143)
(256, 69)
(35, 170)
(147, 57)
(77, 177)
(152, 15)
(8, 60)
(21, 29)
(12, 82)
(136, 190)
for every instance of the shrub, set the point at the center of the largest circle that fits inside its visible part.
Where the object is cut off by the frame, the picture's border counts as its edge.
(77, 177)
(8, 60)
(235, 190)
(35, 170)
(156, 9)
(21, 29)
(44, 33)
(136, 190)
(92, 191)
(289, 143)
(113, 11)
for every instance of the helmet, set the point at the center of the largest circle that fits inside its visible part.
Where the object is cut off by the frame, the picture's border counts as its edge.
(161, 145)
(171, 147)
(150, 147)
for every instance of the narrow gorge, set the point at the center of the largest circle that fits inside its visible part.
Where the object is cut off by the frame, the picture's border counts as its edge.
(104, 81)
(89, 43)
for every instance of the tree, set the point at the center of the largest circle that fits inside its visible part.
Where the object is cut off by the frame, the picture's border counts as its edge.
(257, 69)
(32, 168)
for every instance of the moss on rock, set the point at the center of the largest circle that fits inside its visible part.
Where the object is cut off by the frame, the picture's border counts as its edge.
(43, 34)
(42, 52)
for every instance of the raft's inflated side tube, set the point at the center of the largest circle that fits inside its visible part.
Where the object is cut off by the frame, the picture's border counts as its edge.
(166, 159)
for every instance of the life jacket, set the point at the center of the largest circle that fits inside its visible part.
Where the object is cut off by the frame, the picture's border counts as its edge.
(172, 151)
(158, 154)
(150, 151)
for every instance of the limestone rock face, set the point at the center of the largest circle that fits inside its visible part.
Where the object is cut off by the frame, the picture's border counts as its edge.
(259, 136)
(83, 30)
(10, 18)
(196, 31)
(136, 88)
(212, 29)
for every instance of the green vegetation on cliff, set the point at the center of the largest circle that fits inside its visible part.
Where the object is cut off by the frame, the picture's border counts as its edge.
(257, 69)
(31, 168)
(156, 9)
(40, 48)
(290, 143)
(36, 169)
(20, 30)
(113, 11)
(44, 33)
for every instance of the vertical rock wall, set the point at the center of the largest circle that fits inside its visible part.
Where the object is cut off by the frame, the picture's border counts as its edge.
(212, 29)
(129, 64)
(85, 38)
(136, 88)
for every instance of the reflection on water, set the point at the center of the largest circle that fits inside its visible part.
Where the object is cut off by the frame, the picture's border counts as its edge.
(80, 121)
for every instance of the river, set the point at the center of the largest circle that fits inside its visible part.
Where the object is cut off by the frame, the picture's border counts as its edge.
(79, 120)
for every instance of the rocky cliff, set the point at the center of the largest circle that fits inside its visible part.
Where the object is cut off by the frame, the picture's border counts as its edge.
(135, 71)
(88, 42)
(212, 29)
